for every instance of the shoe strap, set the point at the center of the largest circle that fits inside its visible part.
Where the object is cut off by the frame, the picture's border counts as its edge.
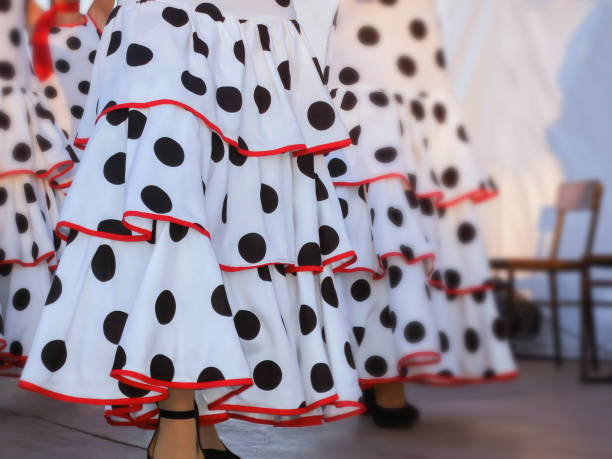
(177, 414)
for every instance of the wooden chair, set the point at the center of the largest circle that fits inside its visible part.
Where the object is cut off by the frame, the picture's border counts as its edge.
(588, 343)
(572, 196)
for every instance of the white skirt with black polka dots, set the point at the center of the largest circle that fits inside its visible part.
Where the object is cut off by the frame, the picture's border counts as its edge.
(34, 162)
(73, 51)
(411, 172)
(203, 230)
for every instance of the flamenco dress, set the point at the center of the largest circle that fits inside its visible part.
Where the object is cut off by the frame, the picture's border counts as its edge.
(418, 296)
(35, 161)
(203, 227)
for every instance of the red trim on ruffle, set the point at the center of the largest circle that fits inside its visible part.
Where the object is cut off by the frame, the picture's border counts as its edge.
(36, 262)
(15, 360)
(433, 379)
(461, 291)
(379, 275)
(307, 421)
(45, 175)
(89, 401)
(375, 179)
(128, 377)
(299, 149)
(419, 359)
(476, 196)
(220, 406)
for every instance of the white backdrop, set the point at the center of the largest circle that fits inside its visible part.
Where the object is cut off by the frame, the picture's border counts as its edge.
(535, 80)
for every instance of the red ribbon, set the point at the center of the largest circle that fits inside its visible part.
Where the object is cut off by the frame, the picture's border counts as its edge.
(41, 54)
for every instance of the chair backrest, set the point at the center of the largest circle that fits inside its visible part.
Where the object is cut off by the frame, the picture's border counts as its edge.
(576, 196)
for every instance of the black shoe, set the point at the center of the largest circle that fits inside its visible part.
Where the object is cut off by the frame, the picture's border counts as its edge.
(218, 454)
(176, 415)
(390, 418)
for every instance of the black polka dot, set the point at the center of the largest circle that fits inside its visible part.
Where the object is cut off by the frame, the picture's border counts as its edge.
(262, 98)
(165, 307)
(178, 232)
(379, 98)
(114, 42)
(264, 273)
(466, 232)
(348, 353)
(308, 319)
(22, 152)
(269, 198)
(162, 368)
(328, 292)
(264, 37)
(499, 329)
(211, 10)
(217, 148)
(138, 55)
(471, 340)
(28, 191)
(349, 101)
(111, 226)
(267, 375)
(321, 192)
(131, 391)
(395, 216)
(55, 291)
(92, 57)
(359, 333)
(119, 360)
(285, 74)
(229, 99)
(117, 116)
(62, 66)
(21, 299)
(388, 318)
(418, 29)
(73, 43)
(329, 239)
(136, 124)
(444, 342)
(175, 16)
(7, 70)
(462, 134)
(35, 251)
(219, 301)
(193, 83)
(348, 76)
(199, 46)
(368, 35)
(16, 348)
(407, 66)
(252, 247)
(414, 332)
(355, 133)
(361, 290)
(247, 325)
(103, 263)
(21, 221)
(376, 366)
(156, 199)
(113, 326)
(343, 207)
(336, 167)
(452, 279)
(54, 355)
(210, 374)
(321, 115)
(321, 378)
(83, 87)
(407, 252)
(169, 152)
(395, 276)
(439, 112)
(114, 169)
(440, 59)
(310, 255)
(386, 154)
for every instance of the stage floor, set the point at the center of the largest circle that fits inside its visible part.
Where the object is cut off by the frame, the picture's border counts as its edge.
(544, 414)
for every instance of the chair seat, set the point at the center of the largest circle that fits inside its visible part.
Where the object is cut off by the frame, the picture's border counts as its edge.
(535, 264)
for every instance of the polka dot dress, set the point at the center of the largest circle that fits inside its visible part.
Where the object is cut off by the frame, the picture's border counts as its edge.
(203, 227)
(34, 160)
(418, 295)
(73, 51)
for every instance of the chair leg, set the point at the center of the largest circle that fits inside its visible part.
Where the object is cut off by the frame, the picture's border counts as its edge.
(591, 332)
(509, 322)
(585, 295)
(554, 300)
